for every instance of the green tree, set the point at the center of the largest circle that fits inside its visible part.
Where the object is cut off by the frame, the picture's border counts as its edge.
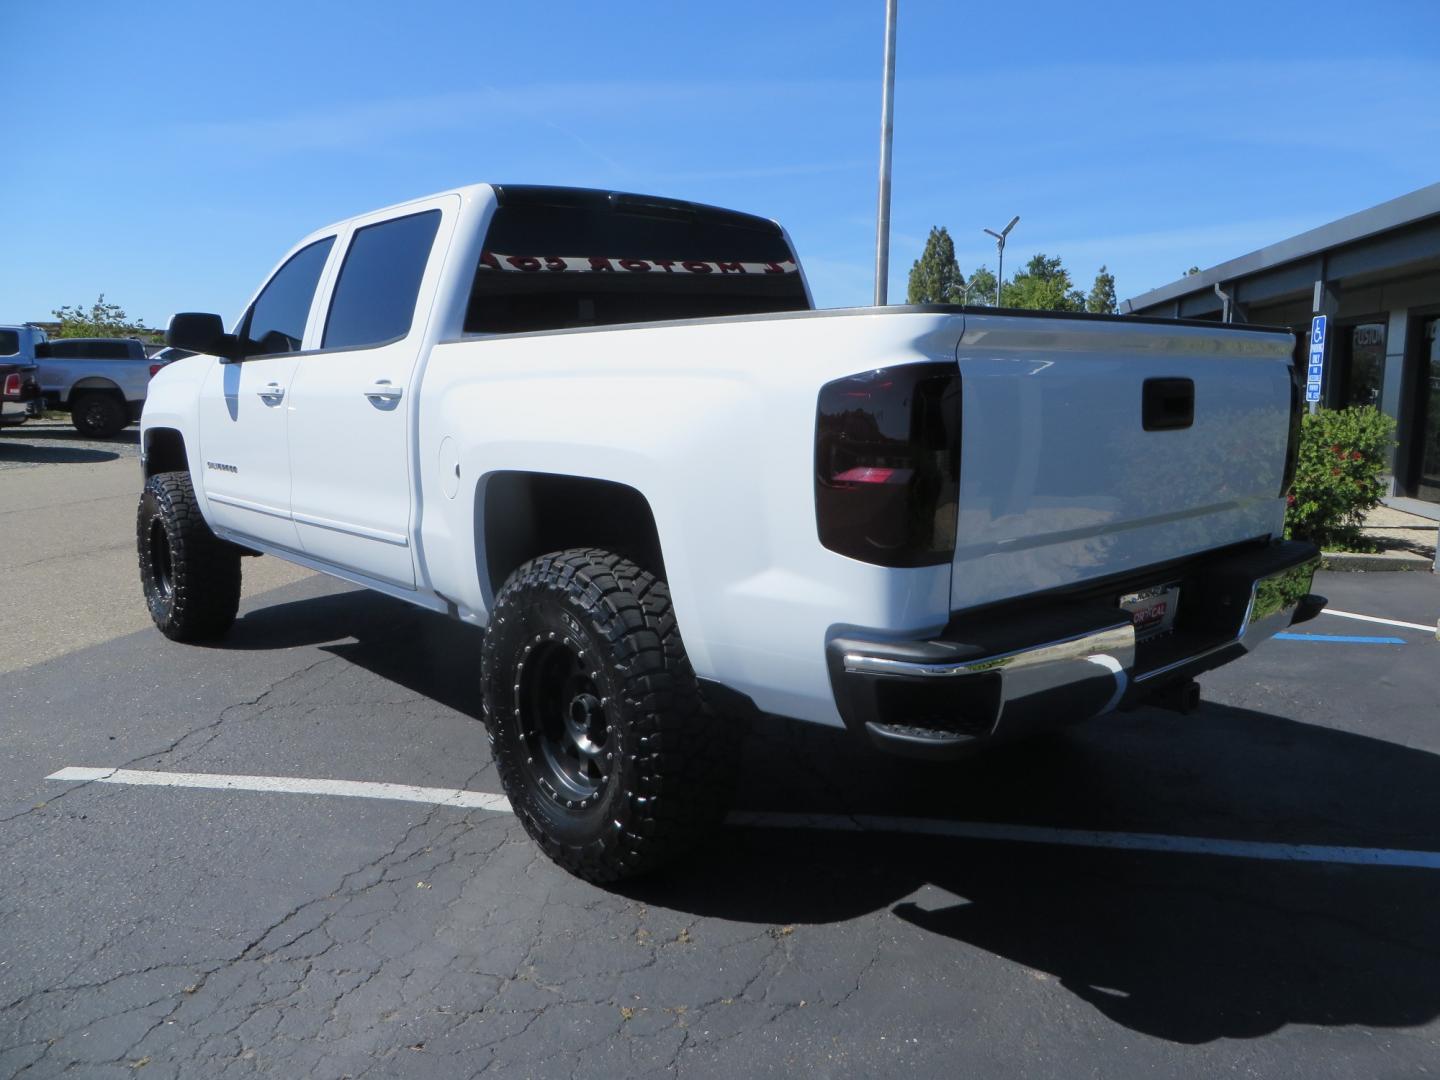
(1044, 285)
(1192, 271)
(99, 320)
(981, 289)
(935, 276)
(1102, 294)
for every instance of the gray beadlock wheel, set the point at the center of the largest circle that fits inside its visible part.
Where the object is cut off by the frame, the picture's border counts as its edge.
(611, 760)
(190, 577)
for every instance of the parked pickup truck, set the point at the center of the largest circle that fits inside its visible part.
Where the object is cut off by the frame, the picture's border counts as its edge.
(18, 386)
(610, 430)
(18, 389)
(101, 382)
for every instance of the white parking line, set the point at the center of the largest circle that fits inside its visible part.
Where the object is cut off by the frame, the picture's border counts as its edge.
(967, 830)
(290, 785)
(1377, 619)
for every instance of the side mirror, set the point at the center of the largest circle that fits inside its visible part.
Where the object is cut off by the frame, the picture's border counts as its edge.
(202, 332)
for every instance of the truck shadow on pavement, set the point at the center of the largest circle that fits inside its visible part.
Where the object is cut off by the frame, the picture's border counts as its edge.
(1182, 947)
(433, 656)
(28, 453)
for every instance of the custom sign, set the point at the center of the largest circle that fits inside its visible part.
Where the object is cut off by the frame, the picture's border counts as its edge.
(599, 264)
(1315, 370)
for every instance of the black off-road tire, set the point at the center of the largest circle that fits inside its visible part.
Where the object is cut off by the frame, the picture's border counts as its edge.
(98, 416)
(584, 640)
(190, 577)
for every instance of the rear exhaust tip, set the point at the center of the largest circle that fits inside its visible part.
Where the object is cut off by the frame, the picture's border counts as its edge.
(1183, 698)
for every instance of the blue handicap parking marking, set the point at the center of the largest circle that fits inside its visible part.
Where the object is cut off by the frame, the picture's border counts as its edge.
(1342, 639)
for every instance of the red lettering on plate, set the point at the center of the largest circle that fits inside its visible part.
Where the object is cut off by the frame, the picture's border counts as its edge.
(696, 267)
(666, 263)
(597, 263)
(730, 268)
(488, 259)
(523, 262)
(773, 268)
(638, 266)
(554, 262)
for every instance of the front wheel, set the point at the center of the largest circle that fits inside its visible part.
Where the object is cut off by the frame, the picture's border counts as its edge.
(610, 759)
(191, 578)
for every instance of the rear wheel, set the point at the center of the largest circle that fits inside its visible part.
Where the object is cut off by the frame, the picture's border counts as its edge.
(609, 757)
(98, 416)
(190, 577)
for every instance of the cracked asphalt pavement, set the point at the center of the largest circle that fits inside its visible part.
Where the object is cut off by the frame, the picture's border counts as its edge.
(174, 932)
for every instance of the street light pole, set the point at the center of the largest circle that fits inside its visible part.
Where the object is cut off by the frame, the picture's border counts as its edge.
(887, 136)
(1000, 257)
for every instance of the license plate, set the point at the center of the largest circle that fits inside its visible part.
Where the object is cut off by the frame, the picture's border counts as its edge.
(1152, 610)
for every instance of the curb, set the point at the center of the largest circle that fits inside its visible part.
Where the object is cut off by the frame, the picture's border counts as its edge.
(1350, 560)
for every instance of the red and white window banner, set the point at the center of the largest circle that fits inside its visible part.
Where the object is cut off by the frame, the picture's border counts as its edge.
(598, 264)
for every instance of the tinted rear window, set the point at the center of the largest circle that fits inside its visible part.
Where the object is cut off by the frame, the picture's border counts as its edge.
(379, 282)
(9, 342)
(86, 349)
(561, 258)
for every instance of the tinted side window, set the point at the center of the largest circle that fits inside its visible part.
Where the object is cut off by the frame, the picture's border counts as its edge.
(380, 281)
(9, 342)
(276, 321)
(90, 349)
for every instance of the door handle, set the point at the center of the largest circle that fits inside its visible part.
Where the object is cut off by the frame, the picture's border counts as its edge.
(271, 390)
(383, 390)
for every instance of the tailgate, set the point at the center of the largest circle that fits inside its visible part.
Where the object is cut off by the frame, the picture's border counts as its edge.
(1060, 480)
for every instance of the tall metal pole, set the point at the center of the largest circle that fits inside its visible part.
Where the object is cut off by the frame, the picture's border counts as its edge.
(887, 136)
(1000, 271)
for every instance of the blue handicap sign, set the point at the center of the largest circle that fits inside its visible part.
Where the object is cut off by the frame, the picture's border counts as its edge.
(1316, 371)
(1317, 330)
(1312, 392)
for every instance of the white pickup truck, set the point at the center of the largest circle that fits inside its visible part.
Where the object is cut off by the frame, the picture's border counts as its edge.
(610, 430)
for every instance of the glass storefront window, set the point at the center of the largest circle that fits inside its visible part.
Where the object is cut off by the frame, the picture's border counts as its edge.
(1428, 428)
(1363, 365)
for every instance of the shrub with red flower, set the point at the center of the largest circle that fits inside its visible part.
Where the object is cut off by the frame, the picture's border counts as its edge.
(1339, 476)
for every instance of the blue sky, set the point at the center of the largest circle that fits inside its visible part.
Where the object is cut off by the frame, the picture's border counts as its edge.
(167, 154)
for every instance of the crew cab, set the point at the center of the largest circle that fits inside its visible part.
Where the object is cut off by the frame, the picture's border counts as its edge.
(100, 382)
(611, 430)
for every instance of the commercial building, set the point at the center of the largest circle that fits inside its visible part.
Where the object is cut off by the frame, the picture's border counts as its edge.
(1376, 276)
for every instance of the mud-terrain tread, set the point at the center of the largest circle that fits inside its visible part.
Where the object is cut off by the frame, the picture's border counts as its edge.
(204, 568)
(681, 776)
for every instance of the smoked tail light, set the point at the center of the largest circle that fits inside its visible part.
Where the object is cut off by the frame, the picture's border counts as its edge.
(887, 464)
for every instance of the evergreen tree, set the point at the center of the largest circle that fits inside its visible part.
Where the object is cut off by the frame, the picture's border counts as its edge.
(1102, 294)
(935, 276)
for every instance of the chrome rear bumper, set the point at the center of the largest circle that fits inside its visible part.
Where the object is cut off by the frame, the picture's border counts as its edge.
(1010, 670)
